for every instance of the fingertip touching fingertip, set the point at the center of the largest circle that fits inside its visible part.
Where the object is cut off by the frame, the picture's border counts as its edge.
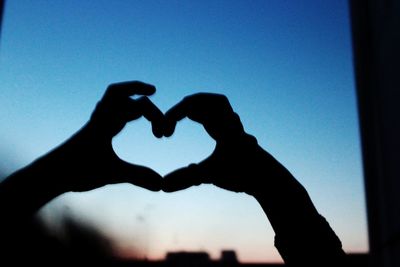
(158, 134)
(169, 129)
(167, 135)
(156, 188)
(169, 188)
(158, 130)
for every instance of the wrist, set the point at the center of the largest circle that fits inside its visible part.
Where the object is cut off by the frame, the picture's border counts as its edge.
(57, 169)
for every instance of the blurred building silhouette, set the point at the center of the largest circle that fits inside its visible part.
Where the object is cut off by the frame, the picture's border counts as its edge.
(228, 258)
(187, 258)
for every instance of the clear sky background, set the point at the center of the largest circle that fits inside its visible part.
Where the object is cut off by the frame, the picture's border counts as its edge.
(286, 67)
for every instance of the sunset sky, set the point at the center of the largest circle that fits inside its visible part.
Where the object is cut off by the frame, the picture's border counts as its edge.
(286, 67)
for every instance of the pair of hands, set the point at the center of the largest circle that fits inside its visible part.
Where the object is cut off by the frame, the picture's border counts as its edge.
(87, 161)
(91, 161)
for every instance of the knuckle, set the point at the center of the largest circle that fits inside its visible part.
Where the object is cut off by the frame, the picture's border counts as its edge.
(222, 98)
(111, 87)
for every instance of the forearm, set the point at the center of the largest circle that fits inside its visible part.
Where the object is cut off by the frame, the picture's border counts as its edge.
(303, 236)
(25, 191)
(22, 194)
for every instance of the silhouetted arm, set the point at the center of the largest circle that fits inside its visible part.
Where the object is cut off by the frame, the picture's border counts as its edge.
(85, 161)
(239, 164)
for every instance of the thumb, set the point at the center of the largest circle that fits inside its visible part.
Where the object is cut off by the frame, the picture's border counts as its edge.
(194, 174)
(137, 175)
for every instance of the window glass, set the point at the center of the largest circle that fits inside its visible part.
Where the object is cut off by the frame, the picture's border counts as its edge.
(286, 67)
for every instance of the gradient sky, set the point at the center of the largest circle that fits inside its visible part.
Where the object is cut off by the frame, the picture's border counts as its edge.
(286, 67)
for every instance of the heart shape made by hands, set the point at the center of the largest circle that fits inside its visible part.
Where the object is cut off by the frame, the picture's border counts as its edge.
(225, 167)
(189, 144)
(229, 165)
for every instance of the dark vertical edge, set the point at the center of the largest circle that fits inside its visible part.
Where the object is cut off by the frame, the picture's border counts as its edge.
(365, 83)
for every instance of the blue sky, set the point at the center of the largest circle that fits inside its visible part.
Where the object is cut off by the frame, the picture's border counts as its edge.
(286, 67)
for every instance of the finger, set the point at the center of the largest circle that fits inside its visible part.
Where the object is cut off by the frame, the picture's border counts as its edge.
(130, 88)
(193, 106)
(137, 175)
(153, 114)
(196, 107)
(180, 110)
(175, 114)
(181, 179)
(194, 174)
(213, 111)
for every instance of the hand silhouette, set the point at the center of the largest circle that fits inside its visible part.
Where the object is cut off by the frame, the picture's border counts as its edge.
(90, 152)
(236, 161)
(88, 157)
(239, 164)
(86, 160)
